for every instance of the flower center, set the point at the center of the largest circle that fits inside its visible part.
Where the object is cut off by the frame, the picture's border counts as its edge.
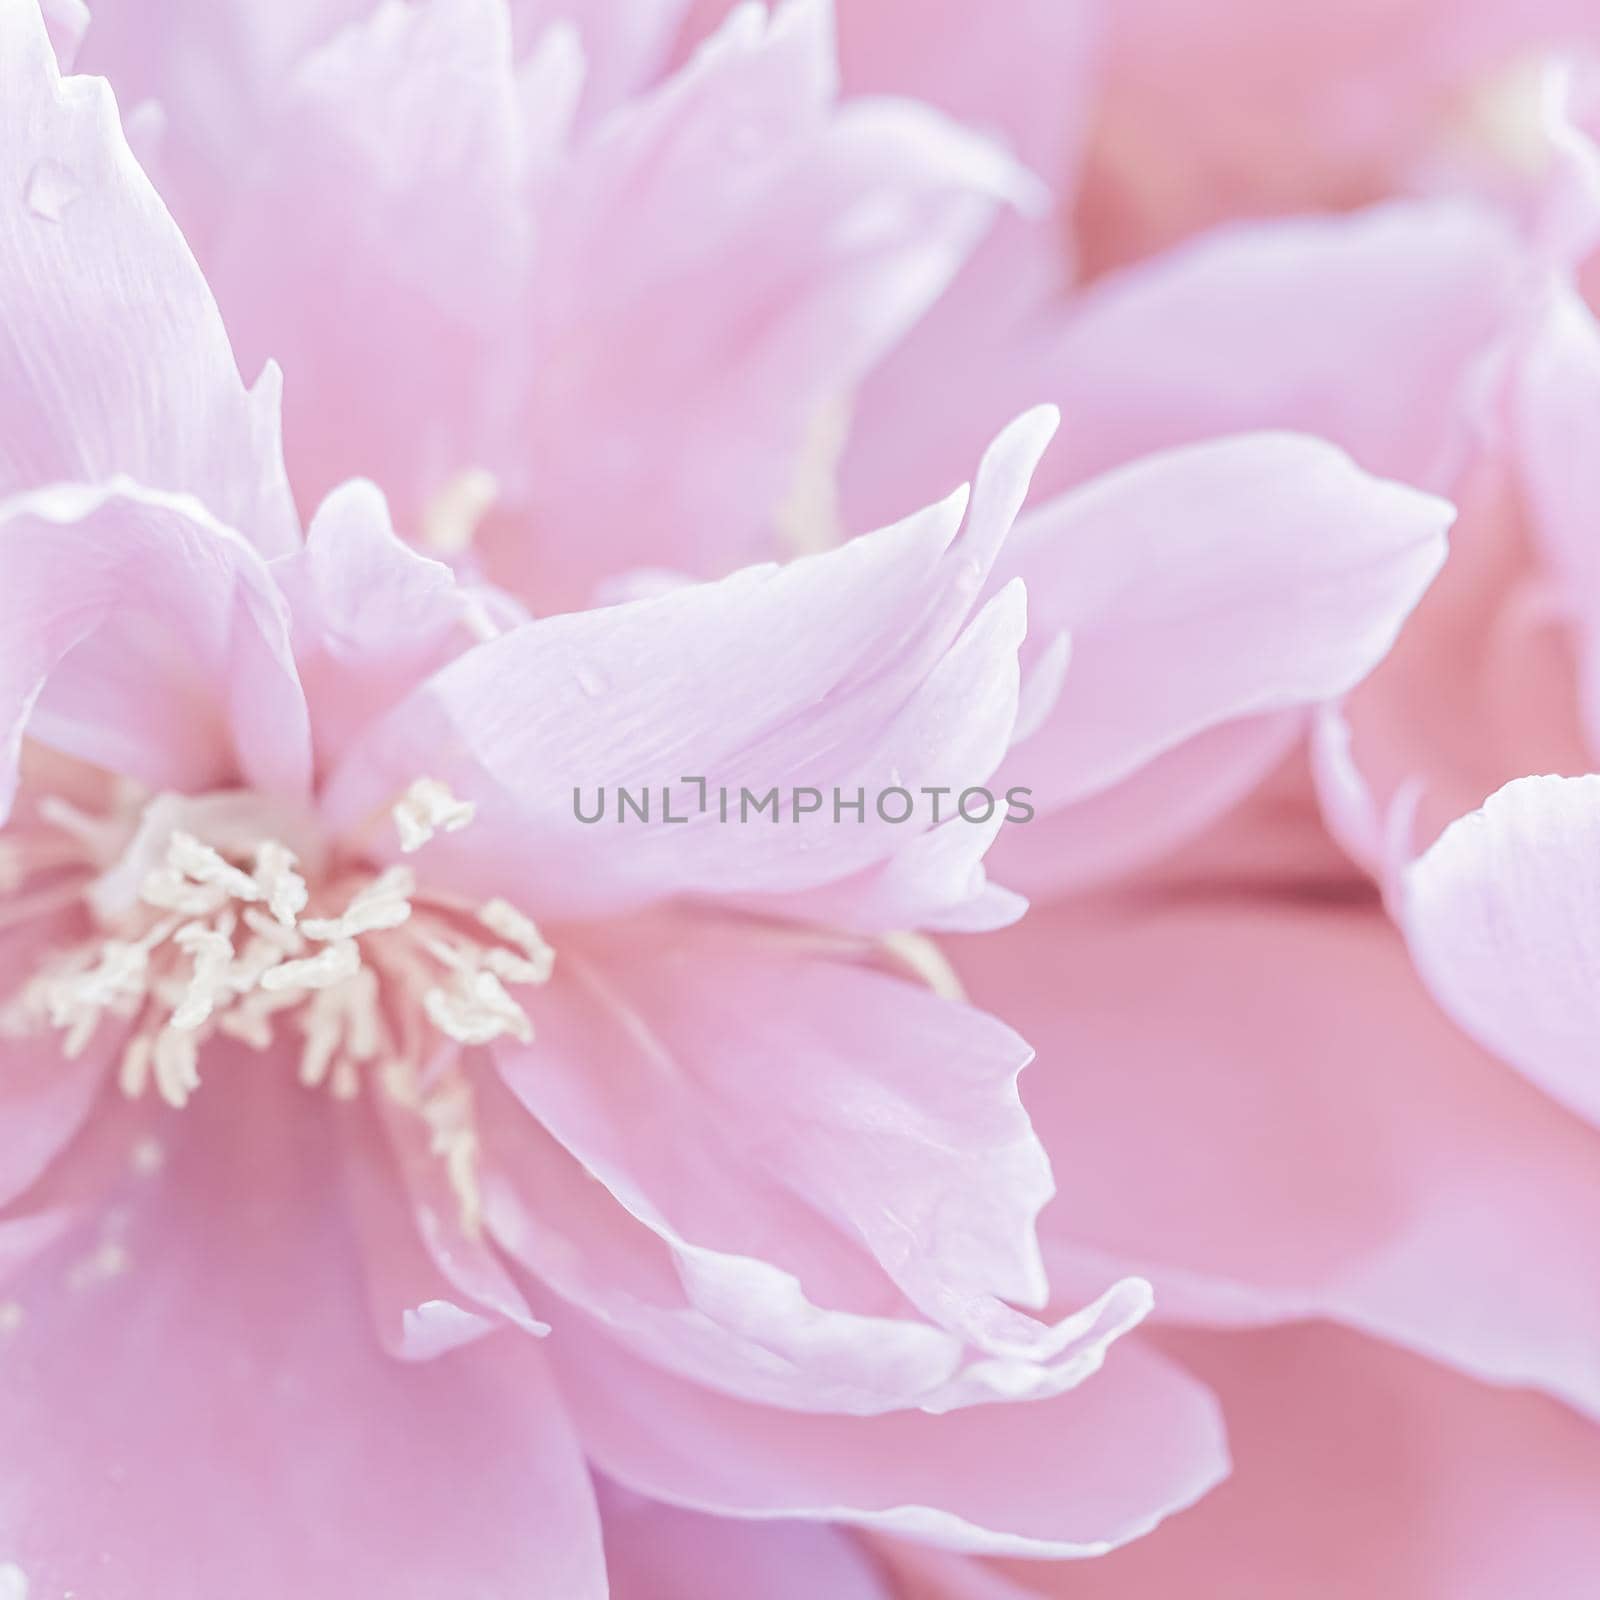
(205, 922)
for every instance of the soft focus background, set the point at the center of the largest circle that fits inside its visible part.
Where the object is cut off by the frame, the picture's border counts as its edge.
(504, 396)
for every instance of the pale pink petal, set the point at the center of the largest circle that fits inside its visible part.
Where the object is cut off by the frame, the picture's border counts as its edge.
(1251, 326)
(656, 1552)
(1141, 818)
(1274, 839)
(699, 1272)
(210, 71)
(144, 636)
(1261, 326)
(43, 1098)
(1327, 1143)
(1557, 431)
(377, 247)
(1503, 916)
(1070, 1476)
(426, 1206)
(371, 617)
(59, 1210)
(1564, 219)
(1209, 585)
(67, 21)
(951, 734)
(43, 1102)
(843, 1145)
(938, 881)
(1023, 69)
(828, 673)
(1360, 1473)
(418, 1313)
(116, 356)
(242, 1433)
(716, 267)
(625, 43)
(1481, 687)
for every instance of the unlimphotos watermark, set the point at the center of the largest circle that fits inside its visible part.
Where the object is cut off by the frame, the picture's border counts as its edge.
(695, 797)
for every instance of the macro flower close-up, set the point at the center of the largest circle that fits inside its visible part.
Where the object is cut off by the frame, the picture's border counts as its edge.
(798, 800)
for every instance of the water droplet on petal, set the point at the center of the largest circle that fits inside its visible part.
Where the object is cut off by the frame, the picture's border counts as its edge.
(969, 575)
(592, 681)
(51, 189)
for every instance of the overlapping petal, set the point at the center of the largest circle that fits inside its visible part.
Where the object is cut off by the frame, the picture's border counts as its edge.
(115, 355)
(794, 241)
(1073, 1476)
(378, 246)
(1328, 1143)
(835, 672)
(1503, 918)
(144, 636)
(773, 1192)
(242, 1433)
(1250, 326)
(1359, 1472)
(1273, 570)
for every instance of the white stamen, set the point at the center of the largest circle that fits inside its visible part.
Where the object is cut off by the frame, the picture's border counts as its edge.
(284, 937)
(332, 964)
(923, 959)
(475, 1009)
(450, 519)
(427, 808)
(134, 1072)
(503, 919)
(101, 839)
(176, 1058)
(14, 866)
(383, 903)
(210, 953)
(285, 890)
(454, 1138)
(187, 855)
(323, 1032)
(206, 948)
(810, 519)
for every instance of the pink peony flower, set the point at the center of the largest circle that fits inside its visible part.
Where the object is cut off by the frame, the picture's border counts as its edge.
(289, 1052)
(694, 1201)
